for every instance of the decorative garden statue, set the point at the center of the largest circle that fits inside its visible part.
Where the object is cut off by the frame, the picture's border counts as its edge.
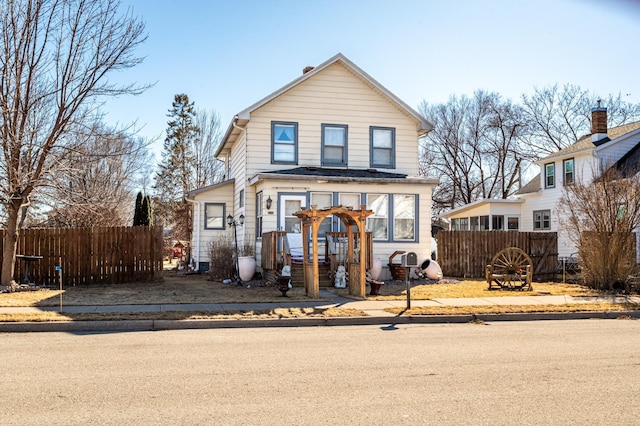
(341, 278)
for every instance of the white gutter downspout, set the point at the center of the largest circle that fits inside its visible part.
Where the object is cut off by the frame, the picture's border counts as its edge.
(233, 123)
(243, 130)
(196, 223)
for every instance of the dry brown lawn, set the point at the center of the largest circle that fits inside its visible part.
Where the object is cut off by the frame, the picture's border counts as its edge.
(472, 288)
(179, 289)
(174, 289)
(276, 313)
(511, 309)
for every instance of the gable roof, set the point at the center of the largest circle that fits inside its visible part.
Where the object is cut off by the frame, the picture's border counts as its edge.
(532, 186)
(424, 126)
(585, 144)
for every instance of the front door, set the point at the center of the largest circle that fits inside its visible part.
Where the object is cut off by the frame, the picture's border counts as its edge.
(289, 204)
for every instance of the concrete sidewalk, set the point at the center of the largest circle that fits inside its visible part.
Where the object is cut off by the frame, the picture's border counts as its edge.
(371, 307)
(374, 310)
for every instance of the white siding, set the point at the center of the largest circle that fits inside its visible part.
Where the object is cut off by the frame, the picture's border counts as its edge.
(201, 237)
(334, 96)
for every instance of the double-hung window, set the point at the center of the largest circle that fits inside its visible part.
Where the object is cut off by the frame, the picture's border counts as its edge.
(214, 216)
(567, 165)
(404, 217)
(549, 175)
(259, 215)
(322, 200)
(352, 200)
(378, 222)
(382, 147)
(334, 145)
(284, 142)
(541, 220)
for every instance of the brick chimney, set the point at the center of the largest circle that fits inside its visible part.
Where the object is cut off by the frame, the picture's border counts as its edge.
(307, 69)
(598, 123)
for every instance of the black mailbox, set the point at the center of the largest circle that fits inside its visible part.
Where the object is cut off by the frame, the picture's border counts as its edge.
(409, 260)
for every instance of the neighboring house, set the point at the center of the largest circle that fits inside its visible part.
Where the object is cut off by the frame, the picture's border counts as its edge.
(333, 136)
(534, 207)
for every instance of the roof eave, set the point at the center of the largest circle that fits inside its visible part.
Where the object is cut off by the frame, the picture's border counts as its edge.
(341, 179)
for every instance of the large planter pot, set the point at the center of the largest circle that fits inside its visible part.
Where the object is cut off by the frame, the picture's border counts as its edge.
(431, 269)
(246, 267)
(376, 268)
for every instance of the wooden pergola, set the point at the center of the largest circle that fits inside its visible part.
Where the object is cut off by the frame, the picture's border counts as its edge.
(311, 220)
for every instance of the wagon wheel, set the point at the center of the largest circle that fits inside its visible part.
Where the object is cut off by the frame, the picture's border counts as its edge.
(511, 265)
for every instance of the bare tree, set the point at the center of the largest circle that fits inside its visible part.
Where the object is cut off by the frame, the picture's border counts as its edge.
(474, 148)
(209, 170)
(557, 117)
(95, 182)
(600, 218)
(55, 56)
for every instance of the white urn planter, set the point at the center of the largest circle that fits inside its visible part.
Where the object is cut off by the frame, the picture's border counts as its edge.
(432, 270)
(246, 267)
(376, 268)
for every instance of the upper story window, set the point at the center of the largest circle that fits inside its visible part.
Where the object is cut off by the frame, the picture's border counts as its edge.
(567, 165)
(284, 142)
(549, 175)
(334, 145)
(382, 147)
(541, 220)
(214, 216)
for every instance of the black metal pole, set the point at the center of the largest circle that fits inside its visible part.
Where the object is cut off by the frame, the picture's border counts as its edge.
(406, 277)
(235, 237)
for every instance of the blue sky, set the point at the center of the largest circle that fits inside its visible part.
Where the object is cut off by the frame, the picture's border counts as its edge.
(227, 54)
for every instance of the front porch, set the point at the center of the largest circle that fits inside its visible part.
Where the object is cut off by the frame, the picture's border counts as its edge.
(320, 260)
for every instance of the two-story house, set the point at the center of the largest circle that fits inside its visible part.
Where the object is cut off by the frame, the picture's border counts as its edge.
(333, 136)
(535, 206)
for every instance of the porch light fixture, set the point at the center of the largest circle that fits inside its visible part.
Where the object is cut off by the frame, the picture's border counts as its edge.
(232, 222)
(269, 202)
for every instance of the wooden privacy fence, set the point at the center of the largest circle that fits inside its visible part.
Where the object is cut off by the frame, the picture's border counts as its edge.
(467, 253)
(91, 255)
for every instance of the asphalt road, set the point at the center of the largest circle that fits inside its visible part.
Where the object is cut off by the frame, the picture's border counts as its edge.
(526, 373)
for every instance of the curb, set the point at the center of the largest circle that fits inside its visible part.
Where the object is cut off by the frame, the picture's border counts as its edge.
(157, 325)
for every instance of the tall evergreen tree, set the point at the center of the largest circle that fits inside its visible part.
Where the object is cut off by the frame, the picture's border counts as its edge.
(137, 210)
(175, 172)
(146, 212)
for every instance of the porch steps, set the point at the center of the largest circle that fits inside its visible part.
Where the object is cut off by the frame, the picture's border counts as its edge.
(297, 274)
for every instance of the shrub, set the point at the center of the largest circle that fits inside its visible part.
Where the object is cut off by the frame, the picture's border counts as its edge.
(600, 218)
(221, 257)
